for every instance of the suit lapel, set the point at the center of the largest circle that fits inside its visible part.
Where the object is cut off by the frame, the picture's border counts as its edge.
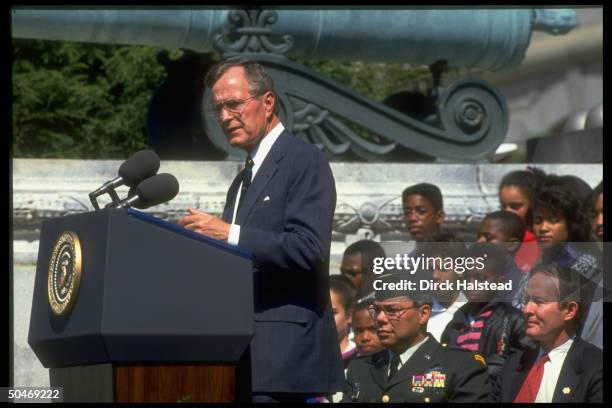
(418, 363)
(378, 368)
(526, 362)
(569, 377)
(263, 176)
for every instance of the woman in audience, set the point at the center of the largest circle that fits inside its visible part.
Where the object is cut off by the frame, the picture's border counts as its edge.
(517, 191)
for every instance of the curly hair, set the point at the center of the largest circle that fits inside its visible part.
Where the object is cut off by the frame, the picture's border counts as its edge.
(528, 181)
(555, 198)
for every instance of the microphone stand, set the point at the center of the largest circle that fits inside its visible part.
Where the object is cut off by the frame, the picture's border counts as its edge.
(93, 196)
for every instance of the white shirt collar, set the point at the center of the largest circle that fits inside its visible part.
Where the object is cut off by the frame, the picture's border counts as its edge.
(264, 147)
(559, 351)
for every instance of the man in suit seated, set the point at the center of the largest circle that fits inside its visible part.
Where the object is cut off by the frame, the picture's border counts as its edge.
(414, 367)
(563, 368)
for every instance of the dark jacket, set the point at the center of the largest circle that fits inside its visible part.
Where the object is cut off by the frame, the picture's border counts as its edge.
(573, 257)
(503, 333)
(461, 377)
(286, 222)
(580, 380)
(518, 278)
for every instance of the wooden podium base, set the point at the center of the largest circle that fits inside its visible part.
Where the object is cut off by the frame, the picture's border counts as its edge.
(146, 383)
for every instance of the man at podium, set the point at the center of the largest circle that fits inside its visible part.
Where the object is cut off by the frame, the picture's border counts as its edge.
(280, 208)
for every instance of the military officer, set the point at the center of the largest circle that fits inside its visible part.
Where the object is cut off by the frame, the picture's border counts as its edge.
(414, 367)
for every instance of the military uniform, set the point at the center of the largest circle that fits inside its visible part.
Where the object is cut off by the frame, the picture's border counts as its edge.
(434, 373)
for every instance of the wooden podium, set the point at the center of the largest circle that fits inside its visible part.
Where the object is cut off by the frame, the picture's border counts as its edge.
(130, 308)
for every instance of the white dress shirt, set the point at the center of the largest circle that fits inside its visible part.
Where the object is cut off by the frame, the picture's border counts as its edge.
(552, 370)
(440, 317)
(405, 356)
(258, 156)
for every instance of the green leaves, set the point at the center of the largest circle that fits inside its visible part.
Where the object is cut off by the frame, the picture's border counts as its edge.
(74, 100)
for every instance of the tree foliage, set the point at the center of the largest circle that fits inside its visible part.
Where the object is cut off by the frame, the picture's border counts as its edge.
(75, 100)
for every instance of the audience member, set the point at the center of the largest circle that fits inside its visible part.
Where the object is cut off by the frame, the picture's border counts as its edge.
(517, 191)
(487, 324)
(343, 298)
(364, 327)
(414, 367)
(357, 264)
(563, 367)
(423, 210)
(445, 302)
(506, 230)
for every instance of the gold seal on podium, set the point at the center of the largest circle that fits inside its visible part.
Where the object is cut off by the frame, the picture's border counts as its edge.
(64, 273)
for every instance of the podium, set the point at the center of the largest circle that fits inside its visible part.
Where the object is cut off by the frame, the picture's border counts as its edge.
(128, 307)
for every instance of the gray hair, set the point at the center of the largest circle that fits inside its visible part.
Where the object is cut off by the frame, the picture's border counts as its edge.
(258, 79)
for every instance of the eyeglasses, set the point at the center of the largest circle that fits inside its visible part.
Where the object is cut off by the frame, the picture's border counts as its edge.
(234, 106)
(391, 310)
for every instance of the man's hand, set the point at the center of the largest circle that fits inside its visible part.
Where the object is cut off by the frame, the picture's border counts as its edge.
(205, 224)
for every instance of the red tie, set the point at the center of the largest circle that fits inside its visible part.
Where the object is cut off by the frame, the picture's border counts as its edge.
(530, 387)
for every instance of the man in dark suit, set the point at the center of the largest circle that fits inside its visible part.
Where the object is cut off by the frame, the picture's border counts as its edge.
(563, 368)
(414, 367)
(279, 208)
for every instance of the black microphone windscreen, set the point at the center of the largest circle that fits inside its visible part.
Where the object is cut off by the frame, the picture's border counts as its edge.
(156, 190)
(139, 166)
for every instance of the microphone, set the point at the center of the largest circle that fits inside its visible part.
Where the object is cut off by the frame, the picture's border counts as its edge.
(141, 165)
(152, 191)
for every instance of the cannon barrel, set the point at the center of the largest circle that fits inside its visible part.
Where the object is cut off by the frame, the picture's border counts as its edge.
(490, 39)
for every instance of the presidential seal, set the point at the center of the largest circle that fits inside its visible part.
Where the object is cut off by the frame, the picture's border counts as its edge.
(64, 273)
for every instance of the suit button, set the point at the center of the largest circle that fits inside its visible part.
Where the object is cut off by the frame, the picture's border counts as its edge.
(385, 398)
(427, 399)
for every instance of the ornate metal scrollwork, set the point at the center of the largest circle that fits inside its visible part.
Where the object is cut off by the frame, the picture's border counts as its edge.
(472, 118)
(252, 28)
(471, 109)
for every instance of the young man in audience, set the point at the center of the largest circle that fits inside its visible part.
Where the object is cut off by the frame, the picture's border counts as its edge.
(357, 264)
(488, 324)
(502, 228)
(506, 230)
(563, 367)
(423, 210)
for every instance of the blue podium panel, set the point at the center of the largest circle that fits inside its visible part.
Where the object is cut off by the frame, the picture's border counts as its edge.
(150, 291)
